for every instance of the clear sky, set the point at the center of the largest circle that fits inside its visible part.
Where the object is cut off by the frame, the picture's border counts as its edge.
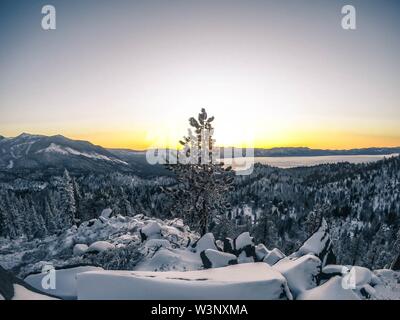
(130, 73)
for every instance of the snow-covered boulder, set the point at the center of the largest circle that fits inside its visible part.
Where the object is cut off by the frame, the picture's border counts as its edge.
(359, 276)
(215, 259)
(273, 256)
(228, 245)
(261, 252)
(205, 242)
(65, 281)
(157, 243)
(80, 249)
(13, 288)
(100, 246)
(243, 240)
(151, 230)
(330, 290)
(106, 213)
(388, 284)
(243, 258)
(319, 244)
(171, 259)
(301, 273)
(237, 282)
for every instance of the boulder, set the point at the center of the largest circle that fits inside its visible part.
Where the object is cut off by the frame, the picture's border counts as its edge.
(319, 244)
(330, 290)
(13, 288)
(228, 245)
(261, 252)
(273, 256)
(217, 259)
(80, 249)
(151, 230)
(205, 242)
(100, 246)
(300, 273)
(106, 213)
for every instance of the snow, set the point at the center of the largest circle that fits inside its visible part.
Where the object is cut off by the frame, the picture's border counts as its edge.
(151, 230)
(55, 148)
(261, 251)
(205, 242)
(65, 281)
(238, 282)
(22, 293)
(106, 213)
(318, 244)
(243, 240)
(10, 165)
(301, 273)
(274, 256)
(100, 246)
(389, 285)
(330, 290)
(171, 259)
(215, 259)
(80, 249)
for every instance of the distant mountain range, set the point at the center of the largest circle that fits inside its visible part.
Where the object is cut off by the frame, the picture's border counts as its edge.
(28, 153)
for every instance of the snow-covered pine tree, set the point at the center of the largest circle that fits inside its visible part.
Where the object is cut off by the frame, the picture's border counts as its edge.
(314, 219)
(203, 182)
(396, 250)
(68, 204)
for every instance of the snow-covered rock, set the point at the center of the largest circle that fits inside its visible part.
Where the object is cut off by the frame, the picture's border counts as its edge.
(100, 246)
(301, 273)
(157, 243)
(65, 281)
(243, 240)
(261, 252)
(171, 259)
(228, 245)
(319, 244)
(273, 256)
(330, 290)
(106, 213)
(13, 288)
(151, 230)
(215, 259)
(247, 281)
(243, 258)
(80, 249)
(388, 284)
(205, 242)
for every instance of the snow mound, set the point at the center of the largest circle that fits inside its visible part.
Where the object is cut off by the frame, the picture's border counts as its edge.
(100, 246)
(301, 273)
(319, 244)
(238, 282)
(80, 249)
(274, 256)
(215, 259)
(330, 290)
(65, 281)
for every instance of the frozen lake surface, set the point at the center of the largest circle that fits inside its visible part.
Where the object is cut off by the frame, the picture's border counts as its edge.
(292, 162)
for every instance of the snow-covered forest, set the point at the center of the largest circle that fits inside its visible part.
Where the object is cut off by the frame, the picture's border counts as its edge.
(103, 218)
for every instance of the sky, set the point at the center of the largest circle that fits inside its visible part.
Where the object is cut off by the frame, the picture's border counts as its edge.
(273, 73)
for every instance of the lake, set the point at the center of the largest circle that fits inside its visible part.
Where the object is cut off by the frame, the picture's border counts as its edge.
(292, 162)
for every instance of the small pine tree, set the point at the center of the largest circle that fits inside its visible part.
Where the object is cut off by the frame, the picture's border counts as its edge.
(202, 181)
